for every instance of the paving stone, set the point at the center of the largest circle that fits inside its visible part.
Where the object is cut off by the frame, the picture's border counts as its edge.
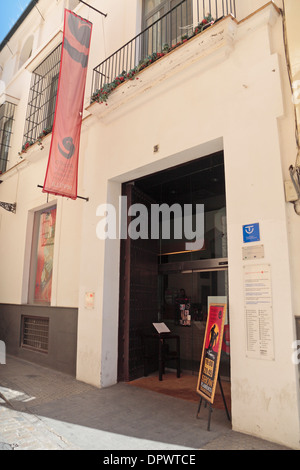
(53, 411)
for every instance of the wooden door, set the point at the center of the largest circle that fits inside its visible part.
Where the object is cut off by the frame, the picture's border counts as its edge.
(138, 294)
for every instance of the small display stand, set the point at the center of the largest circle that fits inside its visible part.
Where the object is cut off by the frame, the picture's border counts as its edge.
(210, 360)
(210, 405)
(164, 336)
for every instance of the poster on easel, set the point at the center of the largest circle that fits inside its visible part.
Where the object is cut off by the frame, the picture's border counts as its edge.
(211, 352)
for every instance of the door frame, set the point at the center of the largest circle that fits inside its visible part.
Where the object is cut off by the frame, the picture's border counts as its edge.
(134, 284)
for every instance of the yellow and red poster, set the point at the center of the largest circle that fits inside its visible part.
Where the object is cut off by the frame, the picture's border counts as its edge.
(61, 175)
(212, 347)
(45, 249)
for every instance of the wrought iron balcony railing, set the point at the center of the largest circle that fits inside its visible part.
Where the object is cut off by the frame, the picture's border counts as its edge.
(161, 36)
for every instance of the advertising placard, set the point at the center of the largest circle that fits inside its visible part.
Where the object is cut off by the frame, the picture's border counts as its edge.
(211, 352)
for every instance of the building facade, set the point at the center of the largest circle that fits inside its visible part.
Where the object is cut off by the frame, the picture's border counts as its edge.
(202, 112)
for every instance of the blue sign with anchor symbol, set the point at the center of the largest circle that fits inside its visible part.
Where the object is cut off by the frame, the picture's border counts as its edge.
(251, 233)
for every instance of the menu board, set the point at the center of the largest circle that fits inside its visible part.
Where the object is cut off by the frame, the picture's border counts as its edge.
(211, 353)
(258, 312)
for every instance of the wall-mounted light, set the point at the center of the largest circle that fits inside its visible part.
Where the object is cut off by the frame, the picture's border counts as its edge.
(8, 206)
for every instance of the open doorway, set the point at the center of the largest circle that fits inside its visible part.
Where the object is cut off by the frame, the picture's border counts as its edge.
(162, 281)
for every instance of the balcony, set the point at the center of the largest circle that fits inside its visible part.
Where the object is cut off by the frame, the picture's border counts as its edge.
(181, 23)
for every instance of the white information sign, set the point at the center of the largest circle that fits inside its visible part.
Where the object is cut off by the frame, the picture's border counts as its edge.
(258, 311)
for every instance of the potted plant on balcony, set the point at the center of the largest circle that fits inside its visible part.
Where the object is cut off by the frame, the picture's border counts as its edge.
(43, 134)
(207, 21)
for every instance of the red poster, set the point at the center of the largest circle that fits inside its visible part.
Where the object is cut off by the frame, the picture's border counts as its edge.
(43, 277)
(212, 347)
(62, 169)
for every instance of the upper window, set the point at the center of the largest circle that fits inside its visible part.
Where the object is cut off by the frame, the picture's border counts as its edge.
(73, 4)
(171, 28)
(26, 51)
(6, 121)
(42, 97)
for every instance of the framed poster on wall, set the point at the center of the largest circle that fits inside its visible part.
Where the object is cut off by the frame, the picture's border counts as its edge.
(43, 260)
(211, 352)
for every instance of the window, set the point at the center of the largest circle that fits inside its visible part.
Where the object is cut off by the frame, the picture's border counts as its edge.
(35, 333)
(42, 96)
(171, 29)
(41, 266)
(6, 120)
(73, 4)
(26, 51)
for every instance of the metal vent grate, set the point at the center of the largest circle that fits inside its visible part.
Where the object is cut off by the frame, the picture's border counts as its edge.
(35, 333)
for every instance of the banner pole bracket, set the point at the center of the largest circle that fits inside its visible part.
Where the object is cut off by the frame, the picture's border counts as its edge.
(77, 197)
(93, 8)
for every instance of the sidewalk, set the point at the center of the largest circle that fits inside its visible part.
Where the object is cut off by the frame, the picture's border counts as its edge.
(48, 410)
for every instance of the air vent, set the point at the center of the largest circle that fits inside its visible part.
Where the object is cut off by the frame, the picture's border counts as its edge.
(35, 333)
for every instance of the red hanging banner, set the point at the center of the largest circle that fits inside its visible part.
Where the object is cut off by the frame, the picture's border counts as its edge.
(62, 169)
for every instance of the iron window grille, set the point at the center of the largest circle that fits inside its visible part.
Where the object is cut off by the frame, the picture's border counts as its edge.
(42, 97)
(7, 111)
(35, 333)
